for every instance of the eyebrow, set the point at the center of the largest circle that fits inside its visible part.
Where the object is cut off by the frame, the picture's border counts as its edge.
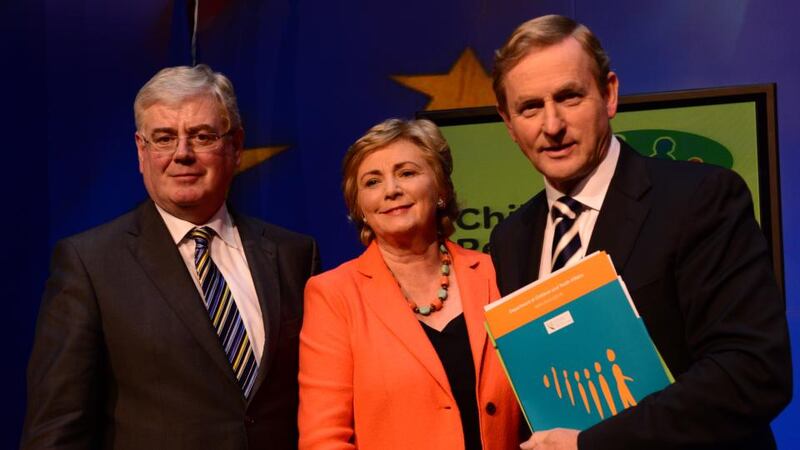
(201, 127)
(190, 130)
(164, 130)
(569, 86)
(395, 167)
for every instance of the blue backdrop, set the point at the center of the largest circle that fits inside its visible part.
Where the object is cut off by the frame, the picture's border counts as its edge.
(312, 76)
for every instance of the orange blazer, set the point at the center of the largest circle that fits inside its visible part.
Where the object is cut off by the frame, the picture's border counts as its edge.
(369, 376)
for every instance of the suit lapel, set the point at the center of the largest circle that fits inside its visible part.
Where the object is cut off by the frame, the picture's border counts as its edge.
(475, 294)
(153, 247)
(623, 211)
(383, 296)
(530, 236)
(261, 254)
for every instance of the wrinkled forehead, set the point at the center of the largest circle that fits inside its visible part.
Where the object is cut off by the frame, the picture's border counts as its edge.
(185, 113)
(569, 48)
(398, 150)
(554, 64)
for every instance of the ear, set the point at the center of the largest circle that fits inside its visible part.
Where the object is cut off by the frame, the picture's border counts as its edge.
(139, 149)
(507, 120)
(238, 145)
(612, 94)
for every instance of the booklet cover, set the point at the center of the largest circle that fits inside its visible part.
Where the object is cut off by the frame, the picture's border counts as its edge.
(574, 347)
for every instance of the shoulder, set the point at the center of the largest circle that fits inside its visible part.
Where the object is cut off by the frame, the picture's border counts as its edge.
(678, 176)
(522, 218)
(471, 261)
(108, 234)
(695, 186)
(274, 232)
(673, 185)
(471, 257)
(96, 254)
(683, 170)
(292, 247)
(335, 279)
(337, 290)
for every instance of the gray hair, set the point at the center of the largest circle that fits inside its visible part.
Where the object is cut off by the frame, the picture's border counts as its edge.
(175, 84)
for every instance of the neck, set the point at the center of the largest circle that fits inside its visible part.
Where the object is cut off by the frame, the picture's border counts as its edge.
(419, 255)
(568, 186)
(417, 242)
(197, 216)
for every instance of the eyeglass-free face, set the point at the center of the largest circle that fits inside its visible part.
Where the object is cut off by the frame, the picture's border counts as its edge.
(397, 193)
(188, 183)
(557, 113)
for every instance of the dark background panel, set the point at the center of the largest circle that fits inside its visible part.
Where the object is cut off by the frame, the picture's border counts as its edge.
(314, 75)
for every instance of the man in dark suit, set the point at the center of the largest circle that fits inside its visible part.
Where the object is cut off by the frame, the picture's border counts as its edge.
(681, 235)
(126, 354)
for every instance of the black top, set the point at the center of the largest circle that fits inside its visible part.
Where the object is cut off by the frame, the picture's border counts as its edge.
(452, 346)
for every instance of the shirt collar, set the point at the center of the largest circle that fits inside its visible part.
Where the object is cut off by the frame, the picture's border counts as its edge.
(592, 189)
(220, 222)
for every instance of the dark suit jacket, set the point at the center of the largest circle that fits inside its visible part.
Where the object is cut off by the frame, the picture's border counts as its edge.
(683, 237)
(125, 356)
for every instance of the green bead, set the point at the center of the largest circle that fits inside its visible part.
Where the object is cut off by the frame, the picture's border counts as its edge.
(442, 249)
(442, 294)
(424, 310)
(445, 269)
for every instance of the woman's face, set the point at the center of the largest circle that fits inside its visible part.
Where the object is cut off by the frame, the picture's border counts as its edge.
(397, 192)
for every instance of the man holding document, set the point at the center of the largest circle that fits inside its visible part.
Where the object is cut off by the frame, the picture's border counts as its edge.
(681, 235)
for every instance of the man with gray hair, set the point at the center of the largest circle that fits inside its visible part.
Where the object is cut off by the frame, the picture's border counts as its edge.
(681, 235)
(175, 325)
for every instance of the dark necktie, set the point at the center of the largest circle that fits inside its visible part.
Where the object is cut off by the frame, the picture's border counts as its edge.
(223, 312)
(566, 240)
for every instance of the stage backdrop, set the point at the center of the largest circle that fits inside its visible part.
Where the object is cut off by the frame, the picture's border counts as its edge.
(312, 76)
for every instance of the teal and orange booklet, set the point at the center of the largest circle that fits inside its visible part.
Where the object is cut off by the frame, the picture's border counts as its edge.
(574, 347)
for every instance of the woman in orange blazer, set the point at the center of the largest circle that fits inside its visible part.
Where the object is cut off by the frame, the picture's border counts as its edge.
(393, 350)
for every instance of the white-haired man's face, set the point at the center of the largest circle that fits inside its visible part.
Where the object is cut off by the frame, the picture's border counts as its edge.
(191, 181)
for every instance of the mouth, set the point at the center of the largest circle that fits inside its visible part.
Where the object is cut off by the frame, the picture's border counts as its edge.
(558, 150)
(396, 210)
(186, 176)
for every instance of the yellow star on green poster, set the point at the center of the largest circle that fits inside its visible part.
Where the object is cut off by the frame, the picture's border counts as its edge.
(465, 86)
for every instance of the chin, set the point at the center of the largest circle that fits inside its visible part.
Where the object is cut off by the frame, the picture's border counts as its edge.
(400, 232)
(187, 201)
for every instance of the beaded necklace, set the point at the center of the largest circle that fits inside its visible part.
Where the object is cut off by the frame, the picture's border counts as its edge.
(444, 284)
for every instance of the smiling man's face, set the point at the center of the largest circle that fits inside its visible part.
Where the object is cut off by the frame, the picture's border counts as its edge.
(189, 185)
(557, 113)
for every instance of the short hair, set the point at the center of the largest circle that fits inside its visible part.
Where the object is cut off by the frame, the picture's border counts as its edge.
(427, 137)
(174, 85)
(543, 32)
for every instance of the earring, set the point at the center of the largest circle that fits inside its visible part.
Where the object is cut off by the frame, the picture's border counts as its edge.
(440, 203)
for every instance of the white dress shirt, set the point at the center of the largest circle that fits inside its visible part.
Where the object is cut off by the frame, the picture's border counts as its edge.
(227, 253)
(591, 192)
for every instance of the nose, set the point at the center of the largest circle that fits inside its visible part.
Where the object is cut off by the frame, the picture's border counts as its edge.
(392, 188)
(552, 122)
(183, 152)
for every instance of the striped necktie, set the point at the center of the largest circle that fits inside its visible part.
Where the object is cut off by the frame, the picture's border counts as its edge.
(223, 312)
(566, 239)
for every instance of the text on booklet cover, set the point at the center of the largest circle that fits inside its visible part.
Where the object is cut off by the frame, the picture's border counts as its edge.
(574, 347)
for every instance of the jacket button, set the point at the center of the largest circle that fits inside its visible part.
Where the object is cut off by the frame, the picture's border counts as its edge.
(490, 408)
(249, 420)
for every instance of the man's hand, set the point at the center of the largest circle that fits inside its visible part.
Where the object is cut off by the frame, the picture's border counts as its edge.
(555, 439)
